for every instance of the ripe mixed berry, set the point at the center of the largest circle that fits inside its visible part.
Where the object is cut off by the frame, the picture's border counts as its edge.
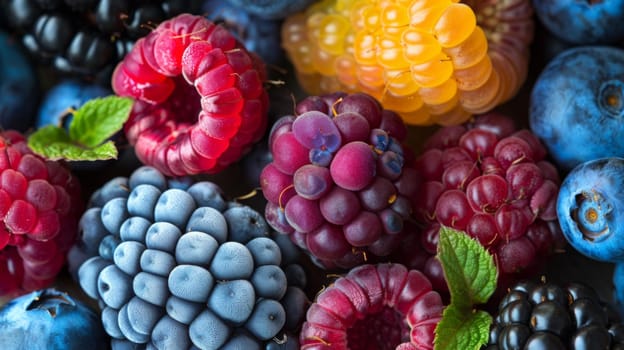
(494, 182)
(340, 180)
(406, 229)
(40, 204)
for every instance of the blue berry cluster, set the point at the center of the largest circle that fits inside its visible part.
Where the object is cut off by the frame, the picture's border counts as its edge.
(175, 265)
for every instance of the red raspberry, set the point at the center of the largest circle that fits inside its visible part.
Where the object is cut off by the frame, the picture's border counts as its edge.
(40, 203)
(492, 181)
(383, 306)
(199, 99)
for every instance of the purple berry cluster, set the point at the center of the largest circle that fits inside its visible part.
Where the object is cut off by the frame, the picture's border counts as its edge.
(340, 183)
(175, 265)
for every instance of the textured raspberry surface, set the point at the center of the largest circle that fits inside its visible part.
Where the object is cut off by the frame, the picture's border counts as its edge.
(40, 205)
(339, 182)
(493, 181)
(199, 99)
(432, 61)
(176, 266)
(384, 306)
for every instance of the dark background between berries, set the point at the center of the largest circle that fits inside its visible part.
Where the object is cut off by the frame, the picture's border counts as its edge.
(565, 266)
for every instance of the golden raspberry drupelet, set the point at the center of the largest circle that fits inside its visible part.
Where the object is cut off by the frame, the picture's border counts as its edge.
(432, 61)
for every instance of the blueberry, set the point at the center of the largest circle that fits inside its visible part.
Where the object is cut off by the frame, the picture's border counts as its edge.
(162, 236)
(295, 303)
(296, 275)
(157, 262)
(269, 281)
(114, 286)
(577, 104)
(18, 86)
(207, 331)
(147, 175)
(142, 200)
(183, 311)
(190, 282)
(113, 188)
(210, 221)
(134, 228)
(174, 206)
(170, 334)
(259, 35)
(241, 340)
(233, 301)
(143, 315)
(273, 9)
(43, 320)
(113, 214)
(107, 246)
(151, 288)
(244, 223)
(196, 248)
(232, 261)
(109, 317)
(264, 251)
(127, 256)
(127, 330)
(64, 97)
(91, 229)
(267, 319)
(589, 206)
(582, 22)
(207, 194)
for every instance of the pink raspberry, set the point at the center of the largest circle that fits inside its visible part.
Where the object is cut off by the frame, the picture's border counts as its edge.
(40, 203)
(199, 99)
(494, 182)
(384, 306)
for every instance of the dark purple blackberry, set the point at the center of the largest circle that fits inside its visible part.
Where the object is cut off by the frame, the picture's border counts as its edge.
(87, 38)
(551, 316)
(174, 265)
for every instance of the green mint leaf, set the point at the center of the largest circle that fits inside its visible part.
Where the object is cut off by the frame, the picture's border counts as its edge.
(462, 329)
(99, 119)
(53, 143)
(468, 268)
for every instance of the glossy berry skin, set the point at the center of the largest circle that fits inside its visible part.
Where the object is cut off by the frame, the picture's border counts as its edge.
(582, 22)
(338, 182)
(199, 100)
(86, 39)
(40, 203)
(172, 263)
(19, 89)
(580, 96)
(50, 319)
(432, 62)
(492, 181)
(65, 96)
(259, 35)
(383, 306)
(271, 9)
(554, 316)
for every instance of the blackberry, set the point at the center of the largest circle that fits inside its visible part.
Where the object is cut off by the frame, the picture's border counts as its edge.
(546, 315)
(86, 38)
(175, 265)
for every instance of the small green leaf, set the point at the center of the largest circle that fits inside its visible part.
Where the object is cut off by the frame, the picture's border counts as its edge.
(468, 268)
(99, 119)
(462, 329)
(53, 143)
